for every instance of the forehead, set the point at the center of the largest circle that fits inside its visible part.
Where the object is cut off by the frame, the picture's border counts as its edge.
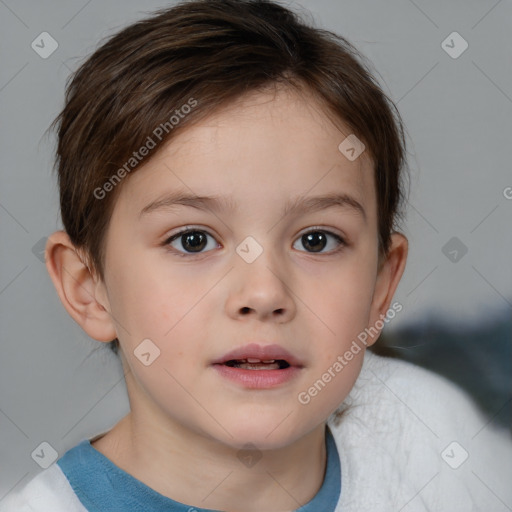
(272, 145)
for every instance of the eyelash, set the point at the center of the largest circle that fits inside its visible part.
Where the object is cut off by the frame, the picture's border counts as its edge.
(167, 243)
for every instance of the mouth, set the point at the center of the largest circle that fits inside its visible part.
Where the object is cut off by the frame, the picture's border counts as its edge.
(260, 357)
(255, 366)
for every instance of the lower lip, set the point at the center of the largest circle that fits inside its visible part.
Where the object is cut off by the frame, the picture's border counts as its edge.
(257, 379)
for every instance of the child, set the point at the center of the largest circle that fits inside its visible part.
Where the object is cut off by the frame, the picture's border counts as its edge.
(230, 183)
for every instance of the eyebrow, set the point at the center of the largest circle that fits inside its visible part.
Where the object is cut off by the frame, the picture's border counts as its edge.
(219, 204)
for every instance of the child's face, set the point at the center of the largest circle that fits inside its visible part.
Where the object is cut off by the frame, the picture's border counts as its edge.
(311, 296)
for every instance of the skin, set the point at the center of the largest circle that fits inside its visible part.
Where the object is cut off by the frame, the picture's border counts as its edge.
(187, 423)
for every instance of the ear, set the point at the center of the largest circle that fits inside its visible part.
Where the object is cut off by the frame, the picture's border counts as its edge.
(388, 276)
(83, 295)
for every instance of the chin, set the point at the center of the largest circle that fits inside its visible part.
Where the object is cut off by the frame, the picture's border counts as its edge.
(264, 433)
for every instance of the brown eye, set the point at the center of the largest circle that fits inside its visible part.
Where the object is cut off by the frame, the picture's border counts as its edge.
(195, 241)
(191, 241)
(316, 241)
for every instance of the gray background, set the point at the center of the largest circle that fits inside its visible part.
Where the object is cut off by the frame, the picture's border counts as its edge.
(55, 387)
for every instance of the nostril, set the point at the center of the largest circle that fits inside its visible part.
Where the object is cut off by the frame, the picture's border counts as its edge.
(245, 310)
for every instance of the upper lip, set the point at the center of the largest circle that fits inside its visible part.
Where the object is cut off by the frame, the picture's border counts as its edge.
(261, 352)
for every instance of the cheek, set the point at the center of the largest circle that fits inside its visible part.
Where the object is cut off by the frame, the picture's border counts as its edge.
(149, 292)
(330, 385)
(341, 301)
(168, 313)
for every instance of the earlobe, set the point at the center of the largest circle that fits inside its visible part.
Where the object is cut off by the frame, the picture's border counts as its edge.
(388, 277)
(77, 288)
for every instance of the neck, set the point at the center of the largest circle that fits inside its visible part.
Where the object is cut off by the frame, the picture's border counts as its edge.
(197, 471)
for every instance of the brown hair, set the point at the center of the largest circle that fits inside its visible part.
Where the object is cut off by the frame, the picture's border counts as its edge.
(204, 54)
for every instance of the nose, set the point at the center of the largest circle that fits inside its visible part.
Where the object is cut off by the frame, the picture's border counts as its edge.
(259, 291)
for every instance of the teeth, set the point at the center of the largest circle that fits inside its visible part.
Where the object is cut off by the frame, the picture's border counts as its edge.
(258, 366)
(253, 360)
(252, 363)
